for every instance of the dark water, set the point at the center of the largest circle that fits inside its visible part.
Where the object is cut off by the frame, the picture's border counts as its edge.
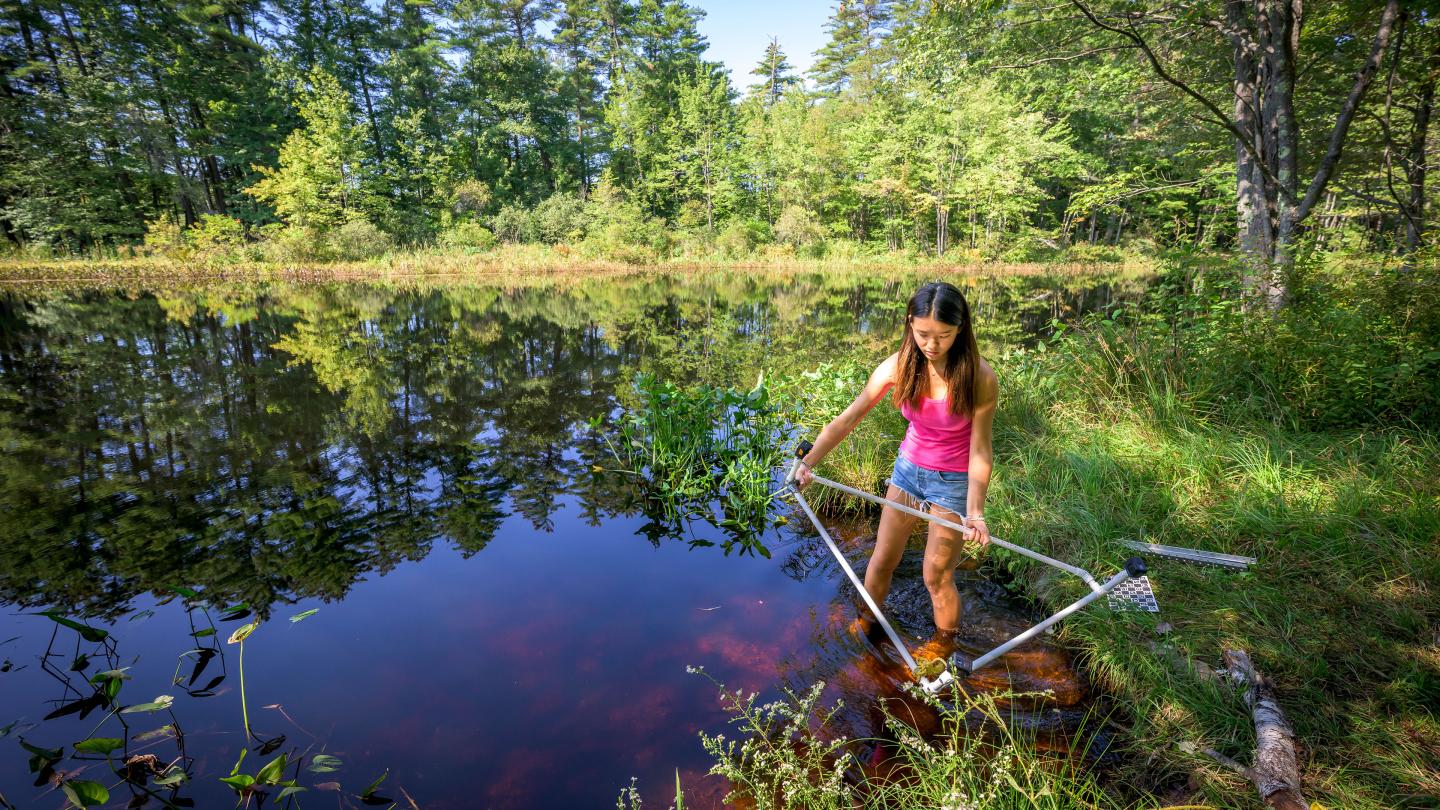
(498, 624)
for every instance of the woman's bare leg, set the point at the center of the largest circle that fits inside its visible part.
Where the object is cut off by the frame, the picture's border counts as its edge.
(890, 541)
(944, 548)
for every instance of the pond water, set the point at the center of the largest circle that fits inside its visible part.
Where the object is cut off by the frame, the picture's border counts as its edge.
(495, 623)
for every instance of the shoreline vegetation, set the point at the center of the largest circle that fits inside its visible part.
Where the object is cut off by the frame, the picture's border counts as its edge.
(522, 259)
(1306, 438)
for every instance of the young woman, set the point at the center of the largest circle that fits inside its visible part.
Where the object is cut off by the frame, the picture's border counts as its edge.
(948, 394)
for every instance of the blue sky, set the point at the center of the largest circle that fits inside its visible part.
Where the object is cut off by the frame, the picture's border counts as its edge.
(739, 30)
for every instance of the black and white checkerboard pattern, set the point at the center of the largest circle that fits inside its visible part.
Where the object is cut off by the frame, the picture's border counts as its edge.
(1134, 595)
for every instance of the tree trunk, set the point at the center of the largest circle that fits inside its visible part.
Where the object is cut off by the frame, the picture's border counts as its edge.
(1415, 156)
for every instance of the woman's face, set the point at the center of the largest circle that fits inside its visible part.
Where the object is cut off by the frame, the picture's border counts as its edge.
(933, 338)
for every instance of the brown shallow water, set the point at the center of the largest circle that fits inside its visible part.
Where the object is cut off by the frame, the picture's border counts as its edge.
(497, 624)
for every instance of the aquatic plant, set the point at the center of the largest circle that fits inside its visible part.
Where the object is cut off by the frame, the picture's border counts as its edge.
(132, 757)
(694, 446)
(978, 760)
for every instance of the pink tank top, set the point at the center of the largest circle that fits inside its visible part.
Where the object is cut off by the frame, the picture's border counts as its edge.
(936, 439)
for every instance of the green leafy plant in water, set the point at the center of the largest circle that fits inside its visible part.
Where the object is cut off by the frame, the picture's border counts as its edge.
(694, 446)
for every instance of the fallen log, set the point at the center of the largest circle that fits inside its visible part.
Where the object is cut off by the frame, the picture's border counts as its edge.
(1276, 772)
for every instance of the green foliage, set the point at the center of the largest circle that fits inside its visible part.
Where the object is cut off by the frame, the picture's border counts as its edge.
(742, 236)
(560, 218)
(468, 235)
(621, 230)
(786, 756)
(319, 183)
(798, 227)
(1357, 348)
(357, 240)
(294, 244)
(692, 446)
(217, 234)
(165, 237)
(514, 223)
(779, 761)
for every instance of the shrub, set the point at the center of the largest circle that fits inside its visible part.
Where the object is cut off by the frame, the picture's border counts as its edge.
(560, 218)
(1357, 347)
(165, 237)
(798, 226)
(514, 223)
(217, 234)
(468, 235)
(291, 244)
(621, 230)
(358, 239)
(741, 236)
(470, 198)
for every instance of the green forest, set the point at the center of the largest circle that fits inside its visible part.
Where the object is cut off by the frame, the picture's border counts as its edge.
(315, 129)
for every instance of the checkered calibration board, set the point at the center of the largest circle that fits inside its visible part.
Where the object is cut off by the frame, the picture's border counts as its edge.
(1134, 595)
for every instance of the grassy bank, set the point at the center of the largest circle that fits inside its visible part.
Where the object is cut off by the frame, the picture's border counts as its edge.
(511, 260)
(1229, 432)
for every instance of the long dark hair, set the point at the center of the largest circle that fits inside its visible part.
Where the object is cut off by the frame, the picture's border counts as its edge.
(946, 304)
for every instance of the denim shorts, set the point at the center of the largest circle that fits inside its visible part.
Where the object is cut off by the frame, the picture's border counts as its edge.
(944, 489)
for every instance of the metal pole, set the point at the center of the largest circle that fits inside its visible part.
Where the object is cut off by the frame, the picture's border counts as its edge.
(1042, 626)
(854, 580)
(1021, 550)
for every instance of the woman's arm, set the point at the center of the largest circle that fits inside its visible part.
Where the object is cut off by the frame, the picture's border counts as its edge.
(981, 452)
(881, 379)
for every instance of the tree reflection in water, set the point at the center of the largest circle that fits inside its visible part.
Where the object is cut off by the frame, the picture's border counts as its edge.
(270, 443)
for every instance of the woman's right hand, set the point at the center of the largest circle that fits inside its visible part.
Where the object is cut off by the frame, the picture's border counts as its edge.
(803, 475)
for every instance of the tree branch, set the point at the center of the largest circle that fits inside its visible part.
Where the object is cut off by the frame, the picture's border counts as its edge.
(1347, 111)
(1218, 117)
(1067, 58)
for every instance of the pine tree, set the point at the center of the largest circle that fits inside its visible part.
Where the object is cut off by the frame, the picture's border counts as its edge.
(776, 75)
(855, 57)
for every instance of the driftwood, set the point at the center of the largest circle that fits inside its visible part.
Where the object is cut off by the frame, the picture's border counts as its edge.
(1276, 772)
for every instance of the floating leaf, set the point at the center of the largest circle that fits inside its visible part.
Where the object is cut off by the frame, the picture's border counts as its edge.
(208, 631)
(85, 794)
(289, 791)
(273, 770)
(324, 763)
(99, 745)
(86, 631)
(80, 663)
(173, 777)
(166, 730)
(239, 781)
(271, 744)
(328, 786)
(142, 615)
(160, 703)
(302, 616)
(242, 633)
(188, 593)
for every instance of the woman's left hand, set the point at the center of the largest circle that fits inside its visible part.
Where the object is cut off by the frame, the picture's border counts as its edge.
(979, 532)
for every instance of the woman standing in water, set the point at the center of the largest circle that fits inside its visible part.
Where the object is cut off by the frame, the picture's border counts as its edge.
(948, 394)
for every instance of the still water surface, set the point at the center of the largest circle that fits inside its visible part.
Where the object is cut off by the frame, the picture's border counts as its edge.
(497, 624)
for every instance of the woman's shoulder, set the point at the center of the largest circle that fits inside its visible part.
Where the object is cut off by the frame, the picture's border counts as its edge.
(987, 383)
(884, 374)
